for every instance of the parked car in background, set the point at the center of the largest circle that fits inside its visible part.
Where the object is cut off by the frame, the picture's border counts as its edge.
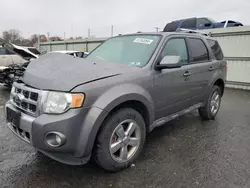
(14, 60)
(199, 23)
(73, 53)
(16, 54)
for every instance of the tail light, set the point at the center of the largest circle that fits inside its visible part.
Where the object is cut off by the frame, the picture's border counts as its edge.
(226, 67)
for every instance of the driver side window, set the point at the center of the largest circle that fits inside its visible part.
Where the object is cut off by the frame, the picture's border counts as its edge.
(176, 47)
(203, 22)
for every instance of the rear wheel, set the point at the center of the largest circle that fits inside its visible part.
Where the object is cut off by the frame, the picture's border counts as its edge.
(210, 110)
(120, 140)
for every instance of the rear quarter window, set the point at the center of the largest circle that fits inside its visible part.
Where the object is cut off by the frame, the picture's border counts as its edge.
(216, 49)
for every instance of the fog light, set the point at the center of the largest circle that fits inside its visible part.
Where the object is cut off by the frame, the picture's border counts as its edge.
(55, 139)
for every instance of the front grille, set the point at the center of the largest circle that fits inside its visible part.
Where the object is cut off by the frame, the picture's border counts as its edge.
(25, 98)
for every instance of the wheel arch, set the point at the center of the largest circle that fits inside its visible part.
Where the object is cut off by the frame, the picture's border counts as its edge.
(123, 96)
(220, 83)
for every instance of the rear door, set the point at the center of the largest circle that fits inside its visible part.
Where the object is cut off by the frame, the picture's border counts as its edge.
(201, 68)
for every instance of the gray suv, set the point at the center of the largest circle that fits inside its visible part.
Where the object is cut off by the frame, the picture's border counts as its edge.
(102, 107)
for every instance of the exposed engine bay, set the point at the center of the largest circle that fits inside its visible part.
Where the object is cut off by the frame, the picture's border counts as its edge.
(12, 73)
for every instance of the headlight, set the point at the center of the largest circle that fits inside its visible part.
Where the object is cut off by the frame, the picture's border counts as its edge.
(58, 102)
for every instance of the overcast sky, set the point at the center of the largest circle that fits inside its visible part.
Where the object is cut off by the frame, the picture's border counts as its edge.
(74, 17)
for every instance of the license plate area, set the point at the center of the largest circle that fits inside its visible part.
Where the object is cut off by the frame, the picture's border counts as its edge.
(13, 117)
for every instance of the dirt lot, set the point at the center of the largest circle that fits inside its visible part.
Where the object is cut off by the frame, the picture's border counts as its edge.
(186, 152)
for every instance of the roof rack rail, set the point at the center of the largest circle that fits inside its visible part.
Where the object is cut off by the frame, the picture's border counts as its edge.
(192, 31)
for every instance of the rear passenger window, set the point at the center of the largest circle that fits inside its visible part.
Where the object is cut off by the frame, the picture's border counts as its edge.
(214, 45)
(198, 50)
(189, 23)
(176, 47)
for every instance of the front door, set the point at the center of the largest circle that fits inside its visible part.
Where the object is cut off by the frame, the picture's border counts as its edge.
(172, 85)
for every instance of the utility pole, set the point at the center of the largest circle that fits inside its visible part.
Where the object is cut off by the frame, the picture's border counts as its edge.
(72, 31)
(72, 34)
(38, 41)
(157, 29)
(112, 30)
(48, 36)
(88, 32)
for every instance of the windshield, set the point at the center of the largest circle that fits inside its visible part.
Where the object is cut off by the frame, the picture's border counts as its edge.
(134, 50)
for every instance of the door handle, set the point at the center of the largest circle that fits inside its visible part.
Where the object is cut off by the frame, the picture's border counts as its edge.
(211, 68)
(187, 74)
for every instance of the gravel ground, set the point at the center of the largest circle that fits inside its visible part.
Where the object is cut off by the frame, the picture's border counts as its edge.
(186, 152)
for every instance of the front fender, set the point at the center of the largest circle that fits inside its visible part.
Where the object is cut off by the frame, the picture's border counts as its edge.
(105, 104)
(122, 93)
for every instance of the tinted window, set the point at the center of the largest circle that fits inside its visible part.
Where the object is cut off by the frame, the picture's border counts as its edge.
(189, 23)
(214, 45)
(198, 50)
(202, 22)
(176, 47)
(171, 26)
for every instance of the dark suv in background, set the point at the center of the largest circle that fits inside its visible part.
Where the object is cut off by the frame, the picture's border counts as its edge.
(199, 24)
(103, 106)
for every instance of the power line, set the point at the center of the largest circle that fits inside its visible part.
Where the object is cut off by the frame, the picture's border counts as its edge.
(112, 30)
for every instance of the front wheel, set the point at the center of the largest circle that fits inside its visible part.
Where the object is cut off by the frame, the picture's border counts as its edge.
(120, 140)
(210, 110)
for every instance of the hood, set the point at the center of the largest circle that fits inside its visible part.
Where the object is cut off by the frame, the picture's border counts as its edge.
(55, 71)
(23, 52)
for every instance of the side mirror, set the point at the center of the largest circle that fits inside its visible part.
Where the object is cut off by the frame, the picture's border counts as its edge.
(169, 62)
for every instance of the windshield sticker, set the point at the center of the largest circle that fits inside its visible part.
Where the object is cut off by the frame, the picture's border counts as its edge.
(143, 41)
(135, 63)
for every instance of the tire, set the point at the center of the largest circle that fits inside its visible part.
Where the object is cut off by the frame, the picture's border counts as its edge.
(207, 112)
(120, 120)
